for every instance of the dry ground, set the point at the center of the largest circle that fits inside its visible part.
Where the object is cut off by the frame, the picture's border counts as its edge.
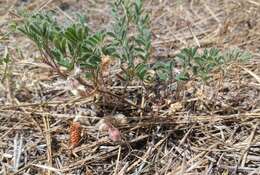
(214, 129)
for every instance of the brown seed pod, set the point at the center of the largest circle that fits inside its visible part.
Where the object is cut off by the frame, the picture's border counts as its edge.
(75, 134)
(105, 63)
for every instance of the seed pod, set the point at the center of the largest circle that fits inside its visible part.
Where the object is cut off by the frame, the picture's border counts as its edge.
(75, 134)
(114, 134)
(121, 119)
(105, 64)
(105, 61)
(103, 125)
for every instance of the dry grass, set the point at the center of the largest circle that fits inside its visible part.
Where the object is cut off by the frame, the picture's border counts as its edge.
(209, 129)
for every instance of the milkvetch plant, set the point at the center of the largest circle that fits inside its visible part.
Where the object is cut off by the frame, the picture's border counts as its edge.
(128, 40)
(200, 64)
(131, 37)
(66, 46)
(76, 45)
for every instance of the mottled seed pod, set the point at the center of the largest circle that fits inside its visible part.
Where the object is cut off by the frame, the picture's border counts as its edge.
(105, 61)
(75, 134)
